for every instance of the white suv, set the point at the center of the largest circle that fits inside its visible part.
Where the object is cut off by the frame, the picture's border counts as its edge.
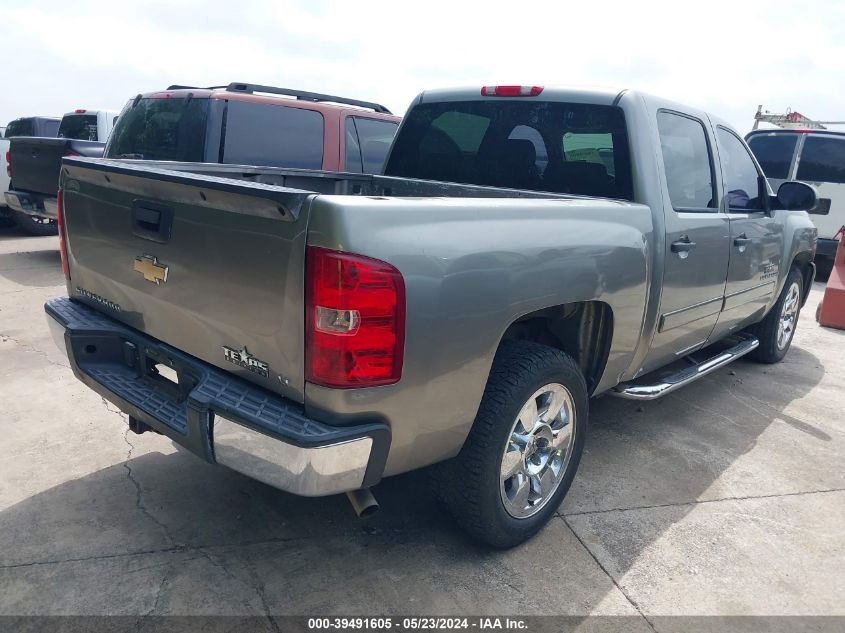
(813, 156)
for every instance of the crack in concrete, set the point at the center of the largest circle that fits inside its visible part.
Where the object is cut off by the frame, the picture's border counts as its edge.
(261, 592)
(700, 501)
(161, 550)
(139, 504)
(33, 350)
(630, 600)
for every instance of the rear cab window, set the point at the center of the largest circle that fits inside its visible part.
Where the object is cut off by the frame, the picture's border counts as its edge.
(273, 135)
(774, 152)
(517, 144)
(367, 143)
(822, 159)
(161, 129)
(22, 127)
(80, 127)
(687, 162)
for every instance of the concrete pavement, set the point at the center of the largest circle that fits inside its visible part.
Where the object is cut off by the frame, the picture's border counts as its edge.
(726, 497)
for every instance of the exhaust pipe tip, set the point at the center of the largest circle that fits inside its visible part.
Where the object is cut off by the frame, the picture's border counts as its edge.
(363, 502)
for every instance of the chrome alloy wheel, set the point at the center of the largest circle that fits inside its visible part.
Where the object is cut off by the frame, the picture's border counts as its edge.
(538, 450)
(788, 316)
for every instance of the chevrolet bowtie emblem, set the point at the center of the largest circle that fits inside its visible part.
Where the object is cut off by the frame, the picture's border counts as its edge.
(149, 266)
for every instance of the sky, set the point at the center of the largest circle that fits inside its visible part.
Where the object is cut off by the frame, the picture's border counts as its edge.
(723, 57)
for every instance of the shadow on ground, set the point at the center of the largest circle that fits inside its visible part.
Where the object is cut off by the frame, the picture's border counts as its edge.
(35, 268)
(168, 533)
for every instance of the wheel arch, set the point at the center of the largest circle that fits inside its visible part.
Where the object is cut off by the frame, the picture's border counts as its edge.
(582, 329)
(803, 262)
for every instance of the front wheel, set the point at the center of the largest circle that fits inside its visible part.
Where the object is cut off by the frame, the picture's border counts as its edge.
(776, 331)
(523, 449)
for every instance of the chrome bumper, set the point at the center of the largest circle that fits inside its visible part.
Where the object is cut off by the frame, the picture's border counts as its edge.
(219, 417)
(310, 472)
(32, 204)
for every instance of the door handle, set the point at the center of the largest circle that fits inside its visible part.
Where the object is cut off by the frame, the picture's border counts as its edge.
(742, 240)
(683, 246)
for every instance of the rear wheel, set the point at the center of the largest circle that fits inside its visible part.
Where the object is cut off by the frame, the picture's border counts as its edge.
(776, 331)
(523, 449)
(35, 226)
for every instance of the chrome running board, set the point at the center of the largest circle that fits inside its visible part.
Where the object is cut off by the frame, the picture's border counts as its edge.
(668, 384)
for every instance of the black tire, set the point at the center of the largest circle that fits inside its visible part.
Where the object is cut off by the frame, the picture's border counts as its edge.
(471, 484)
(772, 347)
(824, 266)
(35, 226)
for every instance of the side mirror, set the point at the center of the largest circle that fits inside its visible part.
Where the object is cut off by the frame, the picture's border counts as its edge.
(822, 207)
(795, 196)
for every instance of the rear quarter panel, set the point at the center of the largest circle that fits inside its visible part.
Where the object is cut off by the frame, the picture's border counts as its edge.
(471, 268)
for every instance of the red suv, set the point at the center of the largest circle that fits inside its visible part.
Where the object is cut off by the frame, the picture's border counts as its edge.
(247, 124)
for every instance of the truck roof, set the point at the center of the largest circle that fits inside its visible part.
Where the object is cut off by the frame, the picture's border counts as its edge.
(572, 94)
(793, 131)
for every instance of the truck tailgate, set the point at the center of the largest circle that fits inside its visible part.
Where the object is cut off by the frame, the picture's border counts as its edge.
(211, 266)
(36, 161)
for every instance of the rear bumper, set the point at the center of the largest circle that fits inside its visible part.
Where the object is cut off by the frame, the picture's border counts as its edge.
(32, 204)
(826, 248)
(213, 414)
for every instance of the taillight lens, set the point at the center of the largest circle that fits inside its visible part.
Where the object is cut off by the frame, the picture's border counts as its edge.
(60, 221)
(355, 320)
(9, 164)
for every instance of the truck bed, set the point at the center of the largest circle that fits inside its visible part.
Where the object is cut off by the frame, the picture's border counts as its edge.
(211, 258)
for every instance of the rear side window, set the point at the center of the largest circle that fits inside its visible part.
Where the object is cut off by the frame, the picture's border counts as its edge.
(517, 144)
(81, 127)
(161, 129)
(367, 143)
(774, 153)
(742, 181)
(273, 135)
(822, 159)
(687, 162)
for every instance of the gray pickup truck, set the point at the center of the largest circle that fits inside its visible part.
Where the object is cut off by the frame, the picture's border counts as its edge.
(526, 249)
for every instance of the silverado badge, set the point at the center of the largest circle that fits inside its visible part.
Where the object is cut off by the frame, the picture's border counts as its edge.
(151, 269)
(242, 358)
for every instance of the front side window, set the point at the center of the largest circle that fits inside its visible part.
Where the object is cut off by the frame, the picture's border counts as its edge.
(822, 159)
(273, 136)
(742, 181)
(687, 162)
(592, 148)
(774, 153)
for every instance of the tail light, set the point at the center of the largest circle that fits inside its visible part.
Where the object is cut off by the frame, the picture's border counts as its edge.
(60, 221)
(9, 164)
(355, 320)
(70, 152)
(511, 91)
